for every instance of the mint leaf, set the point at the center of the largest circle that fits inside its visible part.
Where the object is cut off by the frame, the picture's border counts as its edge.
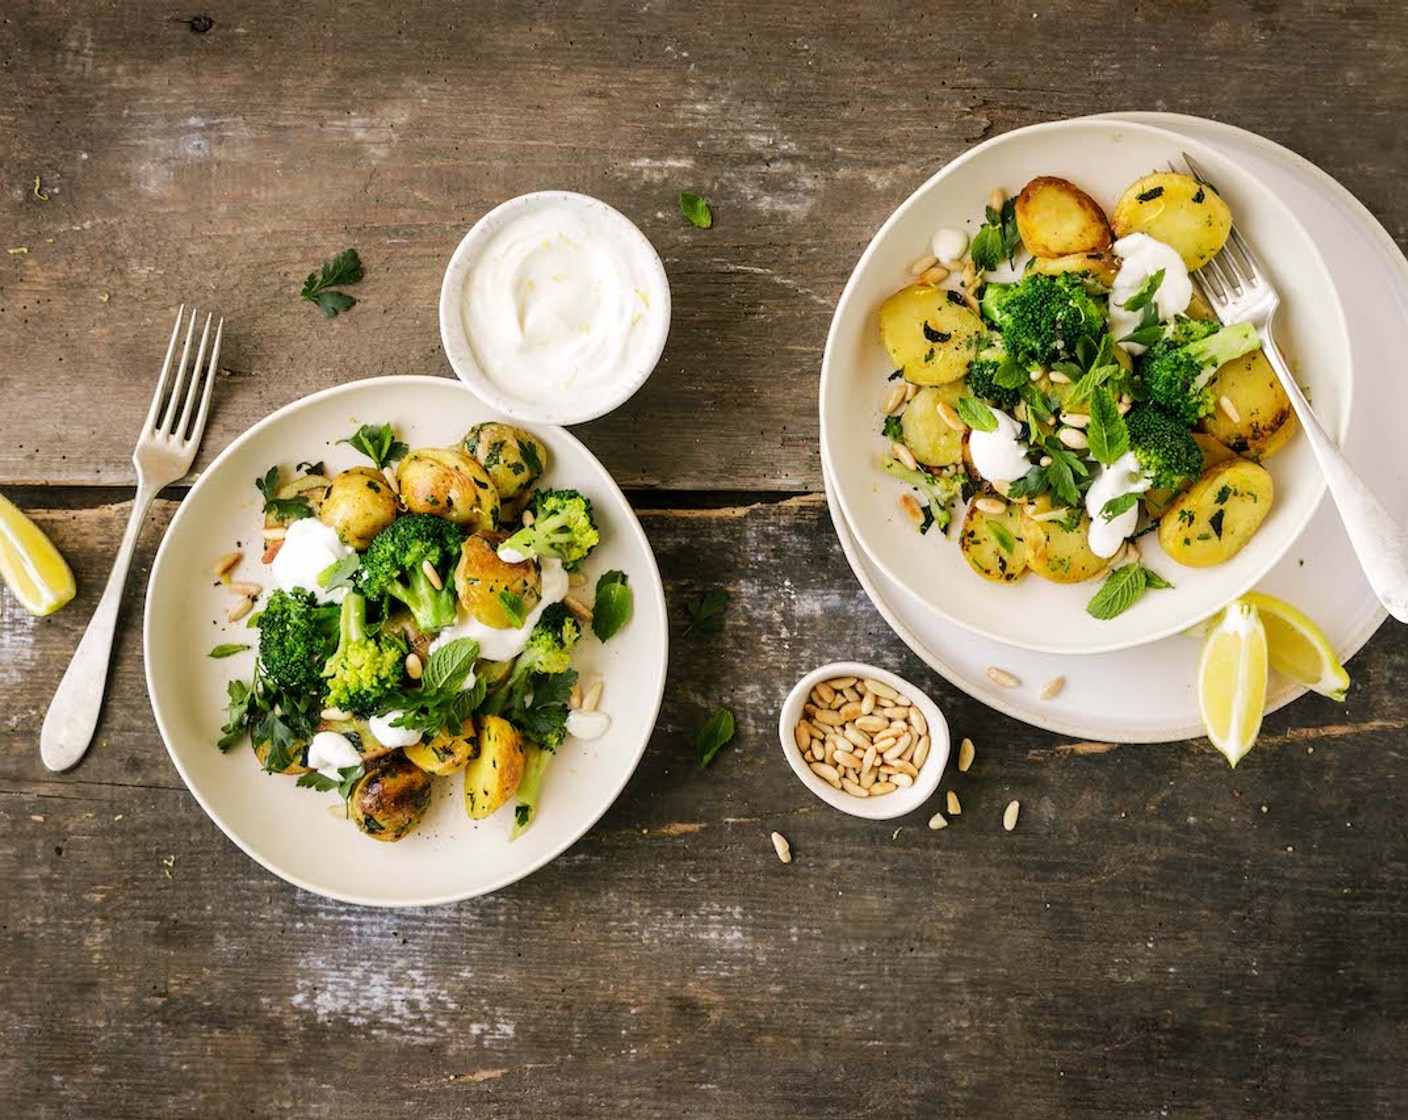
(612, 607)
(696, 209)
(1107, 433)
(514, 607)
(1117, 506)
(449, 666)
(717, 730)
(227, 649)
(976, 414)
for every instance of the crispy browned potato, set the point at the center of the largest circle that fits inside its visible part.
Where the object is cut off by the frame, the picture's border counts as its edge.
(449, 484)
(994, 544)
(359, 504)
(481, 578)
(1101, 266)
(929, 333)
(493, 774)
(1056, 218)
(924, 430)
(1212, 521)
(390, 799)
(1057, 550)
(513, 458)
(1177, 210)
(1261, 405)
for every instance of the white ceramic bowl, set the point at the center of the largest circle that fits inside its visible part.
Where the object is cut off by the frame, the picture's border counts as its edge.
(895, 804)
(459, 347)
(1103, 157)
(294, 832)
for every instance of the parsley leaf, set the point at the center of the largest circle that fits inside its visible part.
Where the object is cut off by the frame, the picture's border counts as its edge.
(718, 729)
(285, 509)
(612, 608)
(706, 614)
(227, 649)
(976, 414)
(345, 268)
(696, 208)
(378, 443)
(349, 777)
(1107, 433)
(339, 573)
(893, 429)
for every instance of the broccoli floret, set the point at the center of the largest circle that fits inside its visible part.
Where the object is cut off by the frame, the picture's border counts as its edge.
(547, 652)
(394, 565)
(983, 374)
(296, 634)
(363, 670)
(940, 490)
(1183, 330)
(1164, 447)
(1176, 376)
(1043, 318)
(563, 527)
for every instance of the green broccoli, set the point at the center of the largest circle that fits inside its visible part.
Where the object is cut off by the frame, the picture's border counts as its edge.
(1043, 318)
(941, 490)
(562, 527)
(296, 634)
(1176, 375)
(547, 652)
(364, 670)
(1164, 447)
(394, 565)
(982, 376)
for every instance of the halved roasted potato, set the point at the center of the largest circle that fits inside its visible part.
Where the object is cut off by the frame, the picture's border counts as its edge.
(493, 774)
(1059, 549)
(1157, 501)
(1056, 218)
(444, 753)
(994, 544)
(1101, 266)
(1260, 403)
(449, 484)
(358, 505)
(311, 487)
(483, 581)
(390, 799)
(924, 430)
(1212, 521)
(929, 333)
(513, 458)
(1177, 210)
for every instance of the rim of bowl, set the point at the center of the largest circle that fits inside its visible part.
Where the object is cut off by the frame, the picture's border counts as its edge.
(903, 800)
(460, 351)
(1202, 151)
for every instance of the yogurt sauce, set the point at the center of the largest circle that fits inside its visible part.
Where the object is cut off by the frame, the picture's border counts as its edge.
(587, 725)
(557, 306)
(1123, 476)
(330, 752)
(388, 735)
(309, 549)
(1000, 455)
(500, 645)
(1140, 257)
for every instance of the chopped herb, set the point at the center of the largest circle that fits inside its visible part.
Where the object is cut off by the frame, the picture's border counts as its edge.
(514, 607)
(227, 649)
(285, 509)
(349, 777)
(612, 608)
(1145, 295)
(706, 614)
(345, 268)
(339, 573)
(896, 375)
(1002, 536)
(696, 209)
(378, 443)
(1202, 194)
(935, 335)
(893, 429)
(1149, 195)
(1215, 522)
(718, 729)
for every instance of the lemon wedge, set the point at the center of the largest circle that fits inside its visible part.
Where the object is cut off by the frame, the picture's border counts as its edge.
(30, 564)
(1232, 680)
(1298, 648)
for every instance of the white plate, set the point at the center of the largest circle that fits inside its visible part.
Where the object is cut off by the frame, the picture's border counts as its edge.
(1103, 157)
(1119, 697)
(292, 831)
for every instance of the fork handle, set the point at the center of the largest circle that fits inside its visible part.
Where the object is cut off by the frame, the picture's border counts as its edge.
(72, 717)
(1378, 540)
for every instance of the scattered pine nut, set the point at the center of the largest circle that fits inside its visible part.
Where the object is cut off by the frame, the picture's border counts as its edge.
(923, 264)
(1053, 688)
(1058, 378)
(966, 754)
(389, 473)
(1075, 419)
(912, 509)
(782, 847)
(414, 668)
(938, 821)
(1124, 407)
(934, 276)
(1003, 677)
(949, 415)
(1074, 438)
(527, 518)
(580, 611)
(239, 610)
(893, 399)
(1009, 815)
(1045, 460)
(577, 580)
(334, 714)
(432, 575)
(911, 390)
(989, 505)
(248, 590)
(904, 455)
(997, 198)
(226, 564)
(1225, 403)
(954, 808)
(1034, 375)
(593, 697)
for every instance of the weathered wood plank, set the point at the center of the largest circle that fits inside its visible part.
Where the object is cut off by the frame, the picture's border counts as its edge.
(1148, 940)
(220, 167)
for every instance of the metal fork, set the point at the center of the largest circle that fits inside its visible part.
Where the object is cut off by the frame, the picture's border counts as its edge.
(165, 450)
(1239, 290)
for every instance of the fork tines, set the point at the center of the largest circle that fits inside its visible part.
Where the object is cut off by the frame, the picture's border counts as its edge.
(180, 413)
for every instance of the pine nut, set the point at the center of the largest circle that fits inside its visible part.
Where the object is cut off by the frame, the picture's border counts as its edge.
(1053, 688)
(921, 752)
(389, 473)
(868, 763)
(900, 766)
(1075, 419)
(879, 689)
(879, 789)
(850, 710)
(901, 779)
(1228, 407)
(1074, 438)
(249, 590)
(1003, 677)
(867, 779)
(816, 754)
(782, 847)
(893, 399)
(1058, 378)
(593, 696)
(1044, 461)
(954, 808)
(912, 508)
(1034, 375)
(904, 455)
(917, 720)
(934, 276)
(966, 754)
(989, 505)
(937, 822)
(838, 683)
(911, 390)
(576, 580)
(414, 668)
(867, 703)
(828, 717)
(239, 610)
(847, 759)
(1123, 407)
(827, 773)
(1009, 815)
(824, 694)
(851, 695)
(949, 415)
(527, 518)
(226, 564)
(997, 199)
(923, 264)
(432, 575)
(334, 715)
(854, 788)
(580, 611)
(869, 724)
(895, 751)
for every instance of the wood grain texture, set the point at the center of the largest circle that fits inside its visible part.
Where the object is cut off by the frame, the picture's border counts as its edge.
(219, 167)
(1148, 941)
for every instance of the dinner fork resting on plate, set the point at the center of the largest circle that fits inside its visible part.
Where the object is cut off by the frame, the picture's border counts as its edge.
(165, 450)
(1240, 291)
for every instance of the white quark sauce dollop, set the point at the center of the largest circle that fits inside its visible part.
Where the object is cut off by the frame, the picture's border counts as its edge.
(1140, 257)
(949, 243)
(330, 752)
(999, 455)
(309, 549)
(500, 645)
(1123, 476)
(389, 735)
(587, 725)
(557, 306)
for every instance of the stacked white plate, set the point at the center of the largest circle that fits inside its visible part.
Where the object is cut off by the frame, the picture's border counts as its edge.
(1147, 693)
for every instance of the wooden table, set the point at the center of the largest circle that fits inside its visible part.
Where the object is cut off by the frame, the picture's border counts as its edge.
(1159, 937)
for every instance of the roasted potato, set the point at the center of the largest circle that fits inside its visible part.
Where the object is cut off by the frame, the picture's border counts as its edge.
(1157, 501)
(929, 333)
(1101, 266)
(313, 487)
(994, 544)
(513, 458)
(450, 484)
(390, 799)
(1177, 210)
(1262, 407)
(359, 504)
(1056, 218)
(481, 579)
(1213, 519)
(493, 774)
(444, 753)
(1059, 550)
(924, 430)
(359, 734)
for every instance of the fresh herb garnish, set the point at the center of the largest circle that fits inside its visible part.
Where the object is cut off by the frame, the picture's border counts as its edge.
(1122, 589)
(998, 238)
(892, 429)
(1002, 536)
(1117, 506)
(349, 776)
(280, 719)
(285, 509)
(934, 335)
(706, 614)
(612, 608)
(442, 700)
(1150, 330)
(696, 209)
(345, 268)
(1215, 522)
(1145, 295)
(227, 649)
(378, 443)
(718, 729)
(339, 573)
(514, 607)
(1107, 433)
(976, 414)
(1149, 195)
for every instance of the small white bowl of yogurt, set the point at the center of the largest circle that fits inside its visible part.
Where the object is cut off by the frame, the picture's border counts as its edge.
(555, 308)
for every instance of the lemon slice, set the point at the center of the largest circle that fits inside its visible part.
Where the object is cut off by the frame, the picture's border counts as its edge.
(1232, 680)
(30, 564)
(1298, 648)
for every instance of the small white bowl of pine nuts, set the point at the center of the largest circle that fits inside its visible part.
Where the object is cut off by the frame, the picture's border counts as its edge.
(864, 740)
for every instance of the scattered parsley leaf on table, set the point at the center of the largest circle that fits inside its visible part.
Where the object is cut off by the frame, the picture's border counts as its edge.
(345, 268)
(706, 614)
(696, 208)
(717, 730)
